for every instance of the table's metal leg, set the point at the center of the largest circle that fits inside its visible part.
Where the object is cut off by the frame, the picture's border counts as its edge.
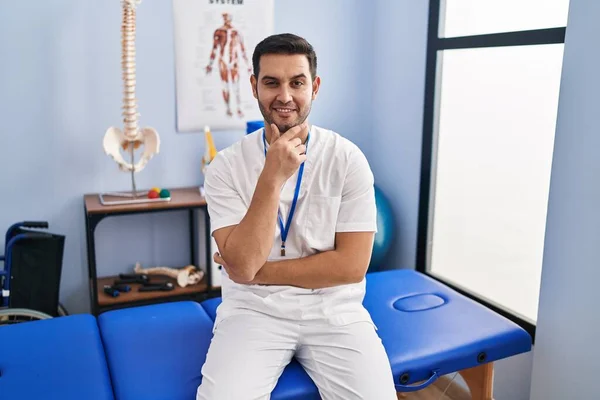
(193, 238)
(91, 221)
(209, 251)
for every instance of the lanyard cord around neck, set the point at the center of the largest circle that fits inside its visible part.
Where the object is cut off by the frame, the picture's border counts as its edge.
(286, 229)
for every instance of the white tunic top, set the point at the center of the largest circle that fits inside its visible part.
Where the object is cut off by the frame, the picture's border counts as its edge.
(336, 195)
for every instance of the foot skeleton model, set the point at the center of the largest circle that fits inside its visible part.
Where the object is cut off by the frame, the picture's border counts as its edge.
(189, 275)
(132, 137)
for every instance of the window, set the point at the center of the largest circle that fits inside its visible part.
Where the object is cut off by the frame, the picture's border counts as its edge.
(478, 17)
(491, 101)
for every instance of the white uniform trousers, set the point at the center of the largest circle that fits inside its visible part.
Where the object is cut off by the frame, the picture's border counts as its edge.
(249, 352)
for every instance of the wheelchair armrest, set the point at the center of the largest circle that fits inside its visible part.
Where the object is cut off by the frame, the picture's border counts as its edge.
(35, 224)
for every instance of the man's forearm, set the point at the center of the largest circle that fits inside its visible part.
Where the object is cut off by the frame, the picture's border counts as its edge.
(249, 244)
(321, 270)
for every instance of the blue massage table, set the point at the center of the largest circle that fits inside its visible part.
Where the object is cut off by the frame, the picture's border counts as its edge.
(156, 352)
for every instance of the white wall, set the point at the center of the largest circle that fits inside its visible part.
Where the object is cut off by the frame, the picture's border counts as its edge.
(567, 354)
(396, 124)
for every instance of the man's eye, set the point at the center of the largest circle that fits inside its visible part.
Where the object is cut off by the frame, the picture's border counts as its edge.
(298, 83)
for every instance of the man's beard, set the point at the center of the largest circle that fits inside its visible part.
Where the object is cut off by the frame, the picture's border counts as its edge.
(302, 116)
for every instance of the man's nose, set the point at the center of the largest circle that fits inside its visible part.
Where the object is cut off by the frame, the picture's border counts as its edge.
(284, 95)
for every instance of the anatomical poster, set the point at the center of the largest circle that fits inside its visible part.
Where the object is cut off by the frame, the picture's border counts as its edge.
(214, 41)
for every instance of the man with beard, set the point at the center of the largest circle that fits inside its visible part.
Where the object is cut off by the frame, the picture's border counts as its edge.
(292, 211)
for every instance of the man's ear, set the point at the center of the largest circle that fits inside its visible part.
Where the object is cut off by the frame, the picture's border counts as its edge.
(316, 85)
(253, 83)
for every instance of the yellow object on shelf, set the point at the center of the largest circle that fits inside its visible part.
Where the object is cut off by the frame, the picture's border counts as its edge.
(210, 151)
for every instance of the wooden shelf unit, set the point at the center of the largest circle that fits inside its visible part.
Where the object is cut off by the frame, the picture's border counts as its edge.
(189, 199)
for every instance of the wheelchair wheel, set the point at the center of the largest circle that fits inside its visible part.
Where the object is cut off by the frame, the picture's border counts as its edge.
(10, 316)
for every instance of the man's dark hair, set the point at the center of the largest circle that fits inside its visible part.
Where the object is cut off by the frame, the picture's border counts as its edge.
(285, 43)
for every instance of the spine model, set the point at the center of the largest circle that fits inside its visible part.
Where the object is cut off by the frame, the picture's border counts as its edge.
(130, 107)
(131, 137)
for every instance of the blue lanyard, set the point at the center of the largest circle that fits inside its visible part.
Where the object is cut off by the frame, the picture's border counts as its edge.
(284, 231)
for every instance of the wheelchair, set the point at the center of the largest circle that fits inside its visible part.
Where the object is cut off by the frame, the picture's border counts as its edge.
(30, 279)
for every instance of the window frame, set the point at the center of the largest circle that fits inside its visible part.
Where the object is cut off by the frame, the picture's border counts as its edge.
(436, 44)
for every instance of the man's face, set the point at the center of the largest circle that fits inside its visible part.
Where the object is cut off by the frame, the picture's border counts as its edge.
(284, 89)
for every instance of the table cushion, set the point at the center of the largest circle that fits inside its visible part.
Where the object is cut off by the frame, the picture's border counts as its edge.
(211, 305)
(156, 352)
(61, 358)
(425, 326)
